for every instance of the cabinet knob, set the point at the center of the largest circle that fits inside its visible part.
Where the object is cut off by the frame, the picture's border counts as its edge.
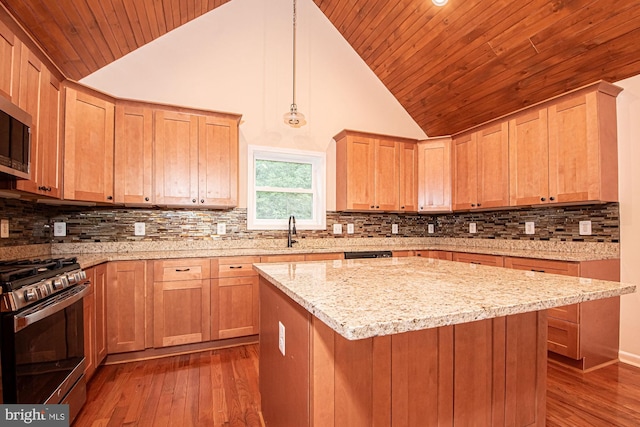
(377, 207)
(473, 205)
(401, 207)
(48, 188)
(372, 206)
(201, 200)
(542, 199)
(421, 207)
(146, 199)
(109, 197)
(193, 200)
(552, 198)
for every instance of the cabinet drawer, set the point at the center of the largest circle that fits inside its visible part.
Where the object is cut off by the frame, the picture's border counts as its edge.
(543, 266)
(564, 338)
(491, 260)
(181, 269)
(236, 266)
(570, 313)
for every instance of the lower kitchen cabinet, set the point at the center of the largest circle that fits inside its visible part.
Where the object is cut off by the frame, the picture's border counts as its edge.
(234, 297)
(581, 335)
(181, 301)
(94, 305)
(126, 309)
(482, 259)
(444, 255)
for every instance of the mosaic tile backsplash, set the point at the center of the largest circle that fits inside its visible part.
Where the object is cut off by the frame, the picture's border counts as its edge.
(32, 223)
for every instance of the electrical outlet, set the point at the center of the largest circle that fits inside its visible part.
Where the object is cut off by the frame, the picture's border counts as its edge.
(139, 229)
(430, 228)
(394, 228)
(221, 228)
(472, 228)
(350, 229)
(337, 228)
(529, 227)
(4, 228)
(281, 338)
(59, 229)
(585, 228)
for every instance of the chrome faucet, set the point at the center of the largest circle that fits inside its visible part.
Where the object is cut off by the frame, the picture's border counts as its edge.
(292, 231)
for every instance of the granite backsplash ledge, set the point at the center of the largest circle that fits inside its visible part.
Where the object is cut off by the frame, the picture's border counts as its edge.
(31, 224)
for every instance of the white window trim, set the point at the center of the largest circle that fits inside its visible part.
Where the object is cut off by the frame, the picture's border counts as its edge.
(316, 158)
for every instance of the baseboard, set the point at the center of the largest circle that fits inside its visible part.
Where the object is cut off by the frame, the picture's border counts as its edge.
(629, 358)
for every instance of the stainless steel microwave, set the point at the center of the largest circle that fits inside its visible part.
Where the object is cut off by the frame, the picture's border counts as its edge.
(15, 140)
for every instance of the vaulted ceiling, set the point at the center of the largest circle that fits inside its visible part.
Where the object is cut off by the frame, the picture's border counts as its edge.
(450, 67)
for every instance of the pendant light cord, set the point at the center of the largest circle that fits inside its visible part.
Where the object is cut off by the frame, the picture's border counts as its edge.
(294, 52)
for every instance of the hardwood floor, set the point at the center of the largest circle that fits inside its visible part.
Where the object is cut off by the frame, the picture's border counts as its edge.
(220, 388)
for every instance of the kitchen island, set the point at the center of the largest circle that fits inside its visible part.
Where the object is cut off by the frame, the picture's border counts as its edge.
(408, 341)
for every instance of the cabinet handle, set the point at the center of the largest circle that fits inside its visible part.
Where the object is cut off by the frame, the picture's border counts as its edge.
(235, 266)
(109, 197)
(48, 188)
(537, 271)
(146, 199)
(179, 270)
(542, 199)
(552, 198)
(474, 262)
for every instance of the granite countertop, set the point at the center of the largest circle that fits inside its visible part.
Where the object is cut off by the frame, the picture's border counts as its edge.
(371, 297)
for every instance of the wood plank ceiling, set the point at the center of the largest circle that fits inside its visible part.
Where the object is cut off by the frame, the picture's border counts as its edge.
(451, 67)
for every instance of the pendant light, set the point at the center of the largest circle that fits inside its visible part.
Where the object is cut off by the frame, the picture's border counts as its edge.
(439, 2)
(293, 118)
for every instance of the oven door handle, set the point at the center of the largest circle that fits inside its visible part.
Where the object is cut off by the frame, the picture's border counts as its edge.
(24, 319)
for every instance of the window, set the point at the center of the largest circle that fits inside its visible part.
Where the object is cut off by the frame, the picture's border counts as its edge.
(285, 182)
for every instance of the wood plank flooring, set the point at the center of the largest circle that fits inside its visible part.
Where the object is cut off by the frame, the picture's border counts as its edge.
(220, 388)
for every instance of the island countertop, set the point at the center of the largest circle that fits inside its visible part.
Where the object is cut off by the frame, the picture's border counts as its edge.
(363, 298)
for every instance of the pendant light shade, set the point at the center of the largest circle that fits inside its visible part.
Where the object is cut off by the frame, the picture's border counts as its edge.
(294, 118)
(439, 2)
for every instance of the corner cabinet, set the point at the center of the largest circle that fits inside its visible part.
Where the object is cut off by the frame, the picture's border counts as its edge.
(368, 172)
(434, 175)
(566, 150)
(480, 167)
(88, 146)
(196, 159)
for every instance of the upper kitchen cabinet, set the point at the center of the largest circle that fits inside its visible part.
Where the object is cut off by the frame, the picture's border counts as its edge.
(10, 50)
(481, 168)
(368, 172)
(408, 177)
(196, 159)
(434, 175)
(565, 151)
(133, 167)
(88, 146)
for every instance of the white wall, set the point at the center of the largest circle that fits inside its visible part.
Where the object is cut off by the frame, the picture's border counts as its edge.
(238, 58)
(629, 191)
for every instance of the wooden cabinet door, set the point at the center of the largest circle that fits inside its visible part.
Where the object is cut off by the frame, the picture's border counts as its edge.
(100, 301)
(481, 259)
(89, 320)
(434, 175)
(235, 305)
(176, 158)
(386, 175)
(465, 172)
(529, 159)
(493, 166)
(355, 173)
(583, 148)
(133, 155)
(125, 298)
(10, 50)
(88, 147)
(218, 162)
(408, 177)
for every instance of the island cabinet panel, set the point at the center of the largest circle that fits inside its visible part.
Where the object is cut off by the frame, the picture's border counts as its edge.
(126, 309)
(583, 335)
(181, 302)
(481, 168)
(434, 175)
(488, 372)
(234, 297)
(88, 147)
(133, 155)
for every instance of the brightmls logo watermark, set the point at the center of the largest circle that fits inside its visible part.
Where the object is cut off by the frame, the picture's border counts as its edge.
(35, 415)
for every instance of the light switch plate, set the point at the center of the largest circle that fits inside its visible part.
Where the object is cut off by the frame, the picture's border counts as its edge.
(139, 229)
(281, 338)
(430, 228)
(585, 228)
(59, 229)
(529, 227)
(394, 228)
(221, 228)
(350, 229)
(4, 228)
(337, 228)
(472, 228)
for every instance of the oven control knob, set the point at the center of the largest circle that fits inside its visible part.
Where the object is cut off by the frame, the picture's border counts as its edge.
(44, 290)
(30, 295)
(57, 284)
